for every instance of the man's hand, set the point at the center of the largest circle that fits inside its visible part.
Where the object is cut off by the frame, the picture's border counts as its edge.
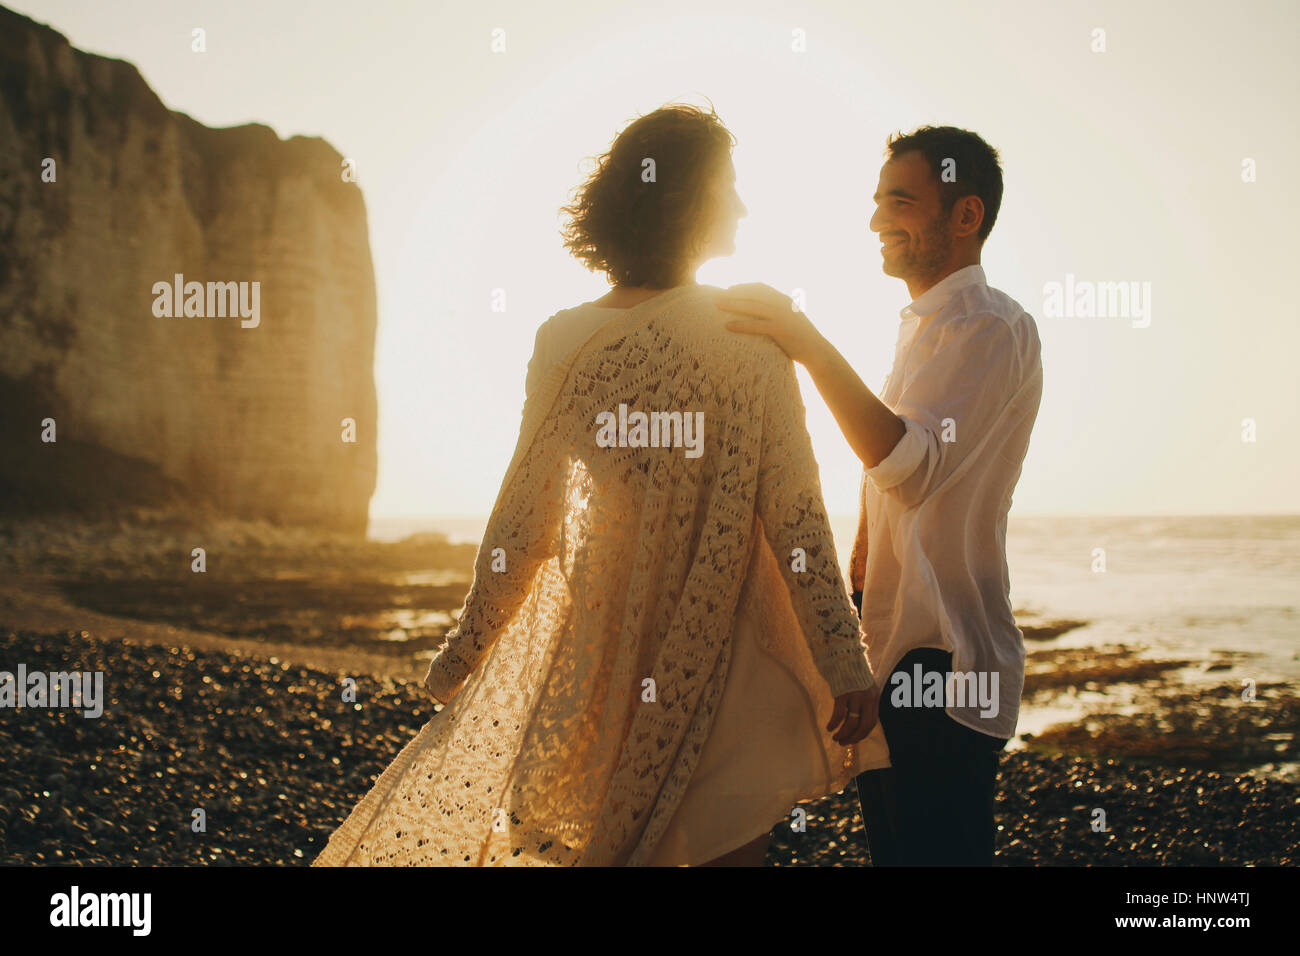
(871, 428)
(769, 312)
(865, 704)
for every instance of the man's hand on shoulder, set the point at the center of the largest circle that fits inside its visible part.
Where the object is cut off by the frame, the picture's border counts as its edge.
(765, 311)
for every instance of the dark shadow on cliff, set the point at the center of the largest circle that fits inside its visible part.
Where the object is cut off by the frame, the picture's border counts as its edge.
(67, 475)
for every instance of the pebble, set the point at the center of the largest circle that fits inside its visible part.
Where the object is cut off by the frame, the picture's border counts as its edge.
(122, 789)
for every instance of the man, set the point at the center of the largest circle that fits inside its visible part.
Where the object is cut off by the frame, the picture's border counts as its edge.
(942, 449)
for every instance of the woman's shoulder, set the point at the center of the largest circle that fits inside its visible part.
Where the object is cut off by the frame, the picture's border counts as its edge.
(697, 316)
(691, 313)
(581, 313)
(568, 328)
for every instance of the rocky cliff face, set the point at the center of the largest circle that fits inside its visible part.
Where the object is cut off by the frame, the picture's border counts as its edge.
(189, 401)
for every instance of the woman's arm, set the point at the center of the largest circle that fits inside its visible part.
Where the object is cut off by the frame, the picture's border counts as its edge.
(520, 535)
(794, 519)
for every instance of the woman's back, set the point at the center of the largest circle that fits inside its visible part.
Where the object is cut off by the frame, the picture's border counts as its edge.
(767, 748)
(593, 650)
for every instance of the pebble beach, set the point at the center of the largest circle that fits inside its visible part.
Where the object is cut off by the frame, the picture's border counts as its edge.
(233, 746)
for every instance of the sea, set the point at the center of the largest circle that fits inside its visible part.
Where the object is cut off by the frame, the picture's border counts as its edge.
(1189, 587)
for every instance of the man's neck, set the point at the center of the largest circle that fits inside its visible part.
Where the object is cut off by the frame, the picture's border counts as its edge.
(921, 285)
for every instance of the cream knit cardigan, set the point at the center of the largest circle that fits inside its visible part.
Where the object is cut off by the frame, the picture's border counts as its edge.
(583, 674)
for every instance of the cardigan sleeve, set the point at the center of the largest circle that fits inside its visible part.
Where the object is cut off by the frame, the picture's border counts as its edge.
(540, 359)
(521, 533)
(794, 519)
(507, 562)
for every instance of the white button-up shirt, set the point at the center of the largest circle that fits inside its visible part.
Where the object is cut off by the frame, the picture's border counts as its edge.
(930, 553)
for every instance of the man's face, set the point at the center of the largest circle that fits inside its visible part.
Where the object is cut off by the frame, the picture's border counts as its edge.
(915, 233)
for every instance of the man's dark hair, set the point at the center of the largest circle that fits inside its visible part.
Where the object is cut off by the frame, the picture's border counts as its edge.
(975, 166)
(644, 233)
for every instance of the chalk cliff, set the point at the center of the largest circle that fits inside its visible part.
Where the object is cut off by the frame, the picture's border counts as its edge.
(197, 410)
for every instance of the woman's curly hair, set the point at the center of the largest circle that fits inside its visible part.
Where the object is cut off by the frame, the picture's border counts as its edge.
(643, 233)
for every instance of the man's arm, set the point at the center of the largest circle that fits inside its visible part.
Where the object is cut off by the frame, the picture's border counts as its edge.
(964, 387)
(871, 428)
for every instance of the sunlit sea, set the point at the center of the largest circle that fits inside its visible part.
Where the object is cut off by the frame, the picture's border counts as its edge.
(1194, 587)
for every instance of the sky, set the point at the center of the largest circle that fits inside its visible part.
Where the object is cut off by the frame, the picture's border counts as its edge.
(1126, 155)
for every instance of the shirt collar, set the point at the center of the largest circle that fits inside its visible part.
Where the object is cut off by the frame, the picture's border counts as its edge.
(938, 295)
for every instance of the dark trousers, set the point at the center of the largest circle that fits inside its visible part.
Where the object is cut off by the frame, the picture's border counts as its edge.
(934, 805)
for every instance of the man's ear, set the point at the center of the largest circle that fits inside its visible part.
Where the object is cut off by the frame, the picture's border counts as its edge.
(968, 214)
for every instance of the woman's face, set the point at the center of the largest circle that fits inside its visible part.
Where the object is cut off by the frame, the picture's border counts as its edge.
(727, 211)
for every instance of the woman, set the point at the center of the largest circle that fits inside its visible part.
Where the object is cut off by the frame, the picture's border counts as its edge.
(657, 658)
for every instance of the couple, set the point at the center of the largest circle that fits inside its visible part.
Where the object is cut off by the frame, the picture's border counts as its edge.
(658, 658)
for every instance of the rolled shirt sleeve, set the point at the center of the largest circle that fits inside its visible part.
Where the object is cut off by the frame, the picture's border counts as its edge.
(949, 406)
(899, 464)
